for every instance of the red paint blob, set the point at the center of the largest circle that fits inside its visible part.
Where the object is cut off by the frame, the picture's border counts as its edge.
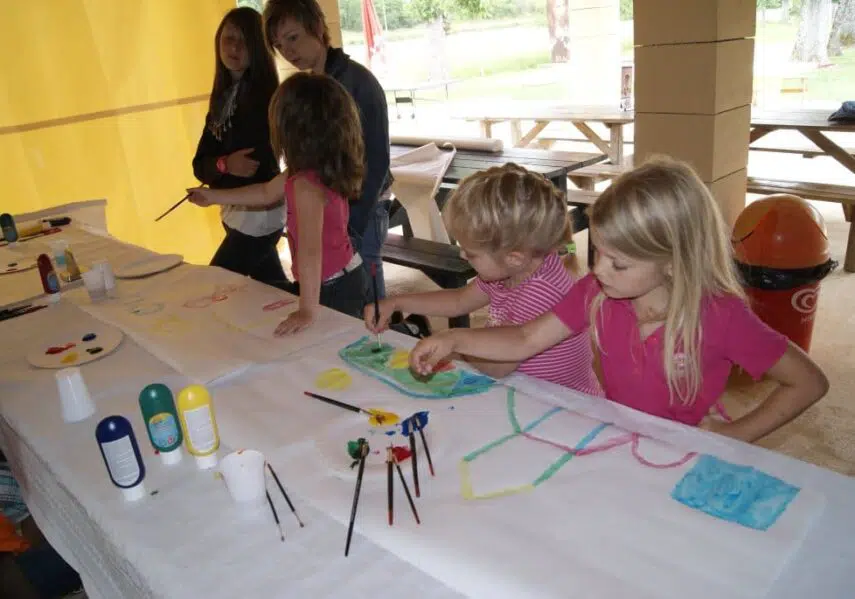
(51, 351)
(443, 366)
(401, 453)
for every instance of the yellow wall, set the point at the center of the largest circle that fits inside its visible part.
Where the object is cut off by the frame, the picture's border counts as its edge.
(147, 67)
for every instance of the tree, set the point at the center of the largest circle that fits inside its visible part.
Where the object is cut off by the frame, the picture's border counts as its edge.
(814, 32)
(843, 28)
(558, 20)
(785, 11)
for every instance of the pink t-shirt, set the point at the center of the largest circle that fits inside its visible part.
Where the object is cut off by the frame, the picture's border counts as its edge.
(570, 363)
(633, 370)
(336, 250)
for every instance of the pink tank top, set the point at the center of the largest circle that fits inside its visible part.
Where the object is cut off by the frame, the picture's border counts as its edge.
(336, 250)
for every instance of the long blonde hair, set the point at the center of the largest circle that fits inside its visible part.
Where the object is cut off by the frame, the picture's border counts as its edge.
(508, 208)
(662, 212)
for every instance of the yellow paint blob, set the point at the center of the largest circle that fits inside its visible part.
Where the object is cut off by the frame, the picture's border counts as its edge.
(400, 359)
(70, 358)
(382, 418)
(334, 379)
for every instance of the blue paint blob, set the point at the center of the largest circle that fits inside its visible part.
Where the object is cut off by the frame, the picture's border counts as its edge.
(390, 433)
(89, 336)
(414, 423)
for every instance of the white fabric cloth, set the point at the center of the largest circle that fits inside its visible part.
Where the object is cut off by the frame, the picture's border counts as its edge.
(256, 223)
(417, 177)
(461, 143)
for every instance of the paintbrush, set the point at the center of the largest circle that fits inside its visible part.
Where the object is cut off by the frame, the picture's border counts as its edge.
(406, 489)
(363, 451)
(275, 516)
(416, 423)
(379, 347)
(346, 406)
(174, 206)
(390, 493)
(415, 462)
(284, 494)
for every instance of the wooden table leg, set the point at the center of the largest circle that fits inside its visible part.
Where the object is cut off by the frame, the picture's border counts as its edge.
(840, 155)
(592, 136)
(531, 135)
(849, 260)
(516, 132)
(616, 143)
(486, 128)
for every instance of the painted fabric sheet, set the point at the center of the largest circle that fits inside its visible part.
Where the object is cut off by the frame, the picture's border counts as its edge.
(605, 520)
(417, 177)
(208, 323)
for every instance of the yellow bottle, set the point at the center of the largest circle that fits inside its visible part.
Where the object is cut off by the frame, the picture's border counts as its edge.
(199, 425)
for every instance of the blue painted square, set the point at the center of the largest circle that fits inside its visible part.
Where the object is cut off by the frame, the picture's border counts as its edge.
(739, 494)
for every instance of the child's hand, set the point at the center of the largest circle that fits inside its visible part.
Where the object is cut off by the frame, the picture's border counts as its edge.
(240, 164)
(296, 322)
(387, 307)
(430, 351)
(201, 196)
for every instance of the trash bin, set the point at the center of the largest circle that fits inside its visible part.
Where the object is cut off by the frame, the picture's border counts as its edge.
(781, 250)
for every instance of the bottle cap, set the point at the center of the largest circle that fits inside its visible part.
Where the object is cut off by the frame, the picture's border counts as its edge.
(171, 457)
(134, 493)
(205, 462)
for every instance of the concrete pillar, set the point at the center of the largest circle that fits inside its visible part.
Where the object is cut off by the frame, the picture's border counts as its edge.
(594, 65)
(693, 86)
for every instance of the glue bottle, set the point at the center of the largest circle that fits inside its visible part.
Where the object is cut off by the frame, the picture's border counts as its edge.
(199, 425)
(7, 225)
(50, 282)
(161, 422)
(121, 455)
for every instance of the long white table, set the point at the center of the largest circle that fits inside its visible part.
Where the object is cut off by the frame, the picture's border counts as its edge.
(579, 530)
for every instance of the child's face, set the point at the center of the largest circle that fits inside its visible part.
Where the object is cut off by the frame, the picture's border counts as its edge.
(489, 266)
(233, 50)
(299, 47)
(622, 277)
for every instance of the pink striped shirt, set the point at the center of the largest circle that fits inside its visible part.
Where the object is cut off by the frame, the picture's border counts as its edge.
(570, 363)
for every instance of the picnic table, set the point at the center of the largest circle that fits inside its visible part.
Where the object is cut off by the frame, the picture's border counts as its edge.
(405, 93)
(543, 114)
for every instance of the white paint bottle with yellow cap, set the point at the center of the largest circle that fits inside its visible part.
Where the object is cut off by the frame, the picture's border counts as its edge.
(198, 424)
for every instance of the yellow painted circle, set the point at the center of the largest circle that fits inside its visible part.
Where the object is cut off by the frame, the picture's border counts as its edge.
(70, 358)
(400, 359)
(382, 418)
(334, 379)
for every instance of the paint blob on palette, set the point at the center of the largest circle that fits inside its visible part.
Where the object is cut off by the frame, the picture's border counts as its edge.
(337, 444)
(391, 365)
(63, 350)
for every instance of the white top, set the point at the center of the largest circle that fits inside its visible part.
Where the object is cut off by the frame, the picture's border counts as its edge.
(171, 457)
(204, 462)
(253, 222)
(134, 493)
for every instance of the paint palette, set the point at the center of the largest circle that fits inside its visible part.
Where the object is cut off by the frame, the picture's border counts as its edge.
(337, 442)
(75, 348)
(15, 260)
(149, 265)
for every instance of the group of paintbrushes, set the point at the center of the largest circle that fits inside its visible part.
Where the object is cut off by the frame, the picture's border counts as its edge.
(273, 508)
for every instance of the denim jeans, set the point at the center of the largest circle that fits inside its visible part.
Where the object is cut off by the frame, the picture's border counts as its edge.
(370, 245)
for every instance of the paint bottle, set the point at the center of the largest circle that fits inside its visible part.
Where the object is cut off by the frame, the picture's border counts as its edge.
(121, 455)
(50, 282)
(7, 225)
(71, 266)
(198, 424)
(161, 422)
(33, 229)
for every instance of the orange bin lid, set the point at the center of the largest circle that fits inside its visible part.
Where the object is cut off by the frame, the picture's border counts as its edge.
(780, 231)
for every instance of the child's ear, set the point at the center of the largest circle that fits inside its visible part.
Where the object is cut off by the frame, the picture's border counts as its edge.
(669, 270)
(514, 259)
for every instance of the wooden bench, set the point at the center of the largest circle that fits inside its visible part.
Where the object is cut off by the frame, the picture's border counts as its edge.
(586, 177)
(840, 194)
(441, 263)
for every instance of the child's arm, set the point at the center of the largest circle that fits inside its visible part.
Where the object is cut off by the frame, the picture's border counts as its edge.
(260, 195)
(508, 344)
(446, 302)
(801, 383)
(309, 207)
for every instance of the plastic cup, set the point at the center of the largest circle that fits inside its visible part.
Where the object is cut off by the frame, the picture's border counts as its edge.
(74, 398)
(94, 281)
(243, 472)
(107, 273)
(57, 248)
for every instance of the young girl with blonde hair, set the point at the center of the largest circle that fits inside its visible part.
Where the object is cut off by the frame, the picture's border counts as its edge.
(510, 224)
(665, 309)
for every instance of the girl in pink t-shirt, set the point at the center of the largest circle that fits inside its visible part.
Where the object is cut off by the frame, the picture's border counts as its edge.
(315, 128)
(665, 309)
(509, 223)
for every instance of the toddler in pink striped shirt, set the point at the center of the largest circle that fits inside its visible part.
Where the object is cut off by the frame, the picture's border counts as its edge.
(510, 224)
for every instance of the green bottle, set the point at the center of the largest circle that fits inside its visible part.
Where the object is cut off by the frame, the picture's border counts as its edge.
(161, 422)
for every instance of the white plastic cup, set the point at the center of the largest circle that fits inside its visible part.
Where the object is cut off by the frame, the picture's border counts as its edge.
(107, 273)
(243, 473)
(57, 248)
(94, 281)
(74, 398)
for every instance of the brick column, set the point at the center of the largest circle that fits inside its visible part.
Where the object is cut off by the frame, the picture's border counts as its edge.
(693, 85)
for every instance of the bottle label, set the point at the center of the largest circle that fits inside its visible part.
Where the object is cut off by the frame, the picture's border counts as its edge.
(200, 430)
(121, 461)
(163, 430)
(52, 282)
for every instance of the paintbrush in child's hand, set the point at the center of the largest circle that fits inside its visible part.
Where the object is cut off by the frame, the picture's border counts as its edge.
(376, 306)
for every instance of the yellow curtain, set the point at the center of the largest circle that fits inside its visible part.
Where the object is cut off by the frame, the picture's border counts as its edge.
(107, 99)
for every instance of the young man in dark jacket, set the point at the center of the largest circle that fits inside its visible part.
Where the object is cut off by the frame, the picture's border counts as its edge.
(296, 29)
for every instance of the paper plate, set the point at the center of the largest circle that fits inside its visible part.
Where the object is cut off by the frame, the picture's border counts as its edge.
(75, 347)
(332, 444)
(149, 265)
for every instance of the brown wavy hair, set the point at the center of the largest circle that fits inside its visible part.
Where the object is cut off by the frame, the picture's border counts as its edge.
(314, 126)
